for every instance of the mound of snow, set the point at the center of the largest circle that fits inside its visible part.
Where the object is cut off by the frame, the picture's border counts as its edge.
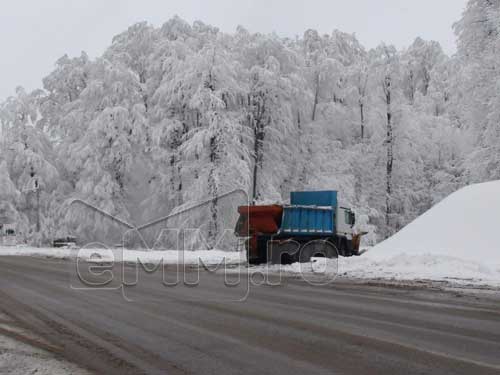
(465, 225)
(456, 240)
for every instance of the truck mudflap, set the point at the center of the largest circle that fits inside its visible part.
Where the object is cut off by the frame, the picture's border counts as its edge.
(356, 242)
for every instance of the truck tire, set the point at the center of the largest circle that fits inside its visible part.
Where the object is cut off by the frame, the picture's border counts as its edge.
(343, 248)
(283, 252)
(317, 248)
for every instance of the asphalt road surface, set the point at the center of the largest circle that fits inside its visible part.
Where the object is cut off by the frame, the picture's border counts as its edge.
(213, 328)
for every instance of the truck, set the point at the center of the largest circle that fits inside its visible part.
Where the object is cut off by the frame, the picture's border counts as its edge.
(314, 224)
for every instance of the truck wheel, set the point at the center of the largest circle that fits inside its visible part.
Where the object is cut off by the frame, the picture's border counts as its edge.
(317, 248)
(283, 252)
(343, 247)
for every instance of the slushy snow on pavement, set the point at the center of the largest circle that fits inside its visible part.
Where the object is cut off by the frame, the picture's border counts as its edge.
(17, 358)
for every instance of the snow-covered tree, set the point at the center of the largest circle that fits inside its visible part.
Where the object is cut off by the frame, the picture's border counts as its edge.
(170, 116)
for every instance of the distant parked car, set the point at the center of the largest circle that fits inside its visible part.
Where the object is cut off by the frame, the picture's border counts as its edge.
(8, 236)
(68, 241)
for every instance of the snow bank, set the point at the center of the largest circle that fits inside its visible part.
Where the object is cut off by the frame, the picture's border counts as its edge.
(421, 267)
(454, 271)
(102, 255)
(207, 257)
(465, 225)
(457, 240)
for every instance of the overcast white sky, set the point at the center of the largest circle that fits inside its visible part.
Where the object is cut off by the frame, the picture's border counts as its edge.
(35, 33)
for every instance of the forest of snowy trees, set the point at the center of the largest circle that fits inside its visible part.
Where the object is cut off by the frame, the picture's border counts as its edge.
(172, 115)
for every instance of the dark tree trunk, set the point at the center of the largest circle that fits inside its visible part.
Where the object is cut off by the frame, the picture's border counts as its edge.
(213, 191)
(362, 118)
(258, 126)
(316, 97)
(259, 136)
(389, 145)
(411, 88)
(362, 82)
(427, 82)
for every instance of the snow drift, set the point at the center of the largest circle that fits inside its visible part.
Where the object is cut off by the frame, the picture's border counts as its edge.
(455, 241)
(465, 225)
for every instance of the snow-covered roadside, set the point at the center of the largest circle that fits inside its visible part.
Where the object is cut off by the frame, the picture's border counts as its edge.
(17, 358)
(402, 268)
(21, 250)
(369, 266)
(122, 255)
(429, 267)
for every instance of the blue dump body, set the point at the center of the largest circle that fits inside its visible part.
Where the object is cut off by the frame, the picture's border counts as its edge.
(314, 198)
(310, 213)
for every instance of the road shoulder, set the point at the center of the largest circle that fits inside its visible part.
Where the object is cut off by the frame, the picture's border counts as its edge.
(21, 352)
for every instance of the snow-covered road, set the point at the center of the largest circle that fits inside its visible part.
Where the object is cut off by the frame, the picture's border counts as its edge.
(347, 328)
